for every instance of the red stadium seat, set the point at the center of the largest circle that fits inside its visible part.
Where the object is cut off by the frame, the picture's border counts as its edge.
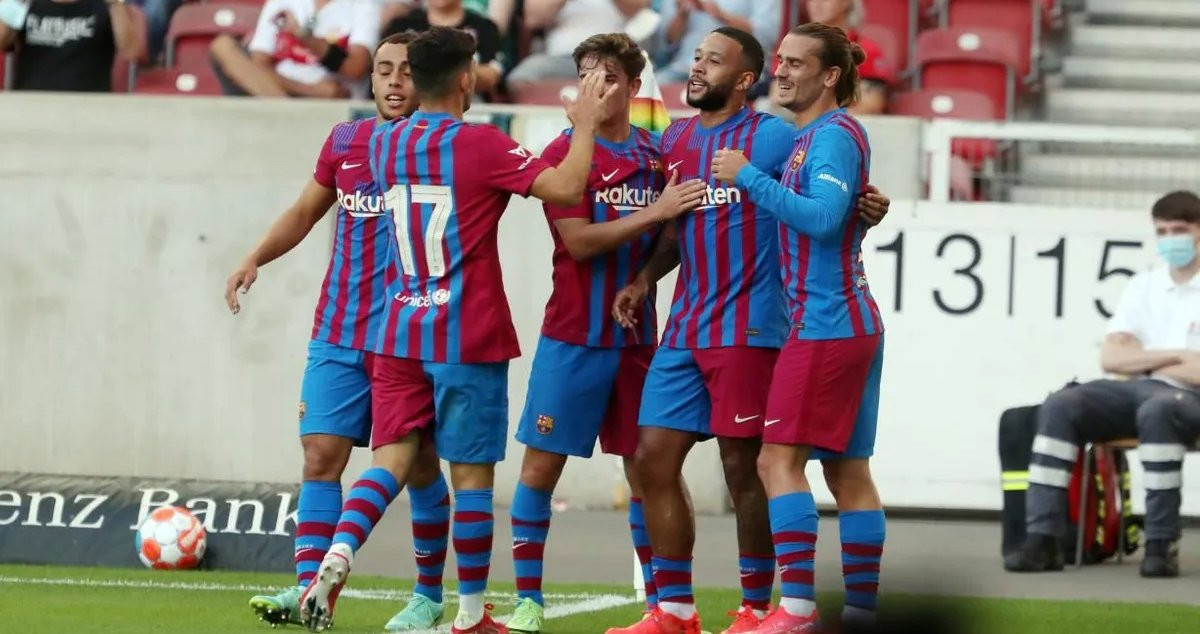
(889, 45)
(1021, 18)
(951, 104)
(982, 60)
(195, 26)
(901, 18)
(166, 81)
(541, 93)
(675, 96)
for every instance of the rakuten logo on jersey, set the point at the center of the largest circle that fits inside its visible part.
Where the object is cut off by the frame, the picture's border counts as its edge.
(717, 196)
(440, 297)
(360, 205)
(626, 198)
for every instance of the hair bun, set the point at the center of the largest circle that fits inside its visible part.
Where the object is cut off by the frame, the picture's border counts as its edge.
(857, 54)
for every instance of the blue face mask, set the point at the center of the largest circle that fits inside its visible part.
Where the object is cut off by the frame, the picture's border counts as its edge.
(1178, 251)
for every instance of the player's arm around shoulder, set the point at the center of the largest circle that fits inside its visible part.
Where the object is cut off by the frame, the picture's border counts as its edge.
(773, 144)
(585, 239)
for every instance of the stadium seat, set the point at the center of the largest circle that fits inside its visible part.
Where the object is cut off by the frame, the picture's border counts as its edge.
(951, 104)
(195, 26)
(675, 96)
(1021, 18)
(978, 59)
(166, 81)
(541, 93)
(901, 18)
(889, 45)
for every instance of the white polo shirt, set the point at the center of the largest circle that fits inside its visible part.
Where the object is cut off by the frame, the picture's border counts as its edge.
(345, 22)
(1163, 315)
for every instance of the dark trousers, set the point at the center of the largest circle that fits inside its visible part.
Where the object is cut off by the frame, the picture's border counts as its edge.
(1164, 419)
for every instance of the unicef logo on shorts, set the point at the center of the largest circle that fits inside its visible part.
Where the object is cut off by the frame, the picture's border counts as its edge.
(437, 298)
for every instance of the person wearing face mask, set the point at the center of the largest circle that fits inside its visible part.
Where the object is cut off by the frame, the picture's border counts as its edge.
(1153, 343)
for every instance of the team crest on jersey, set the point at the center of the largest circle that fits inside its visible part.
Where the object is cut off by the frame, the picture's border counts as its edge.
(302, 410)
(656, 165)
(798, 160)
(545, 424)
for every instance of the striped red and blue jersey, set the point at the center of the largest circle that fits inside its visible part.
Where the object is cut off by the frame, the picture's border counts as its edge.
(820, 232)
(625, 178)
(350, 307)
(727, 293)
(446, 184)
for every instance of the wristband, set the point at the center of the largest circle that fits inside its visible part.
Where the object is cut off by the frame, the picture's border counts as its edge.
(334, 57)
(13, 12)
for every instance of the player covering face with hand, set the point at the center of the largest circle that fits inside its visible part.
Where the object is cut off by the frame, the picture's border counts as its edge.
(441, 368)
(335, 395)
(824, 397)
(588, 372)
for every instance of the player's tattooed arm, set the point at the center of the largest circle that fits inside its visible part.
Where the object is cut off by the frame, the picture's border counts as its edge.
(585, 239)
(288, 230)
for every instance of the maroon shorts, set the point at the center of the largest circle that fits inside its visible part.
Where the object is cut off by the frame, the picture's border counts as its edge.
(817, 391)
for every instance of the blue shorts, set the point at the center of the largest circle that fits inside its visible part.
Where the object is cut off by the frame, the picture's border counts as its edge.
(335, 394)
(463, 405)
(578, 394)
(708, 392)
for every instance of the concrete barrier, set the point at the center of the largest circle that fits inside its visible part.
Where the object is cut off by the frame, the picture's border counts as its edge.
(122, 217)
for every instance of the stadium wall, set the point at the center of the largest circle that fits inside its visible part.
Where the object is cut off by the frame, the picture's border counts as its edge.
(123, 216)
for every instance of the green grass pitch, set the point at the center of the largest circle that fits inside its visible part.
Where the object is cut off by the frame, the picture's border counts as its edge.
(39, 599)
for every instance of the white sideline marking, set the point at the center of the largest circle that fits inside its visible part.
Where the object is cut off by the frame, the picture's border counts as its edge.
(574, 603)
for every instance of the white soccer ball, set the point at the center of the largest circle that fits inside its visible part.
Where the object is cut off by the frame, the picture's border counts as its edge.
(171, 539)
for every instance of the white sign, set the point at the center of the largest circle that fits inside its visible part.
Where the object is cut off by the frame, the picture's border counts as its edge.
(988, 307)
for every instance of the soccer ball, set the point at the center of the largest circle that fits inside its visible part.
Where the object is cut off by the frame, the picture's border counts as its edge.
(170, 539)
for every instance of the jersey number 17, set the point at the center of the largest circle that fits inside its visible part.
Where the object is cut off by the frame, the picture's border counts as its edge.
(398, 199)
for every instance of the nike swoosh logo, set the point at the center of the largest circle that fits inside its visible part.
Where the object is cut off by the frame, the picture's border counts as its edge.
(347, 166)
(671, 167)
(770, 422)
(609, 176)
(739, 420)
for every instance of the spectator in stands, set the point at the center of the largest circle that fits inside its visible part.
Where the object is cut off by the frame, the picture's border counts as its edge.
(686, 22)
(1153, 341)
(67, 45)
(876, 72)
(567, 23)
(158, 21)
(302, 48)
(453, 14)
